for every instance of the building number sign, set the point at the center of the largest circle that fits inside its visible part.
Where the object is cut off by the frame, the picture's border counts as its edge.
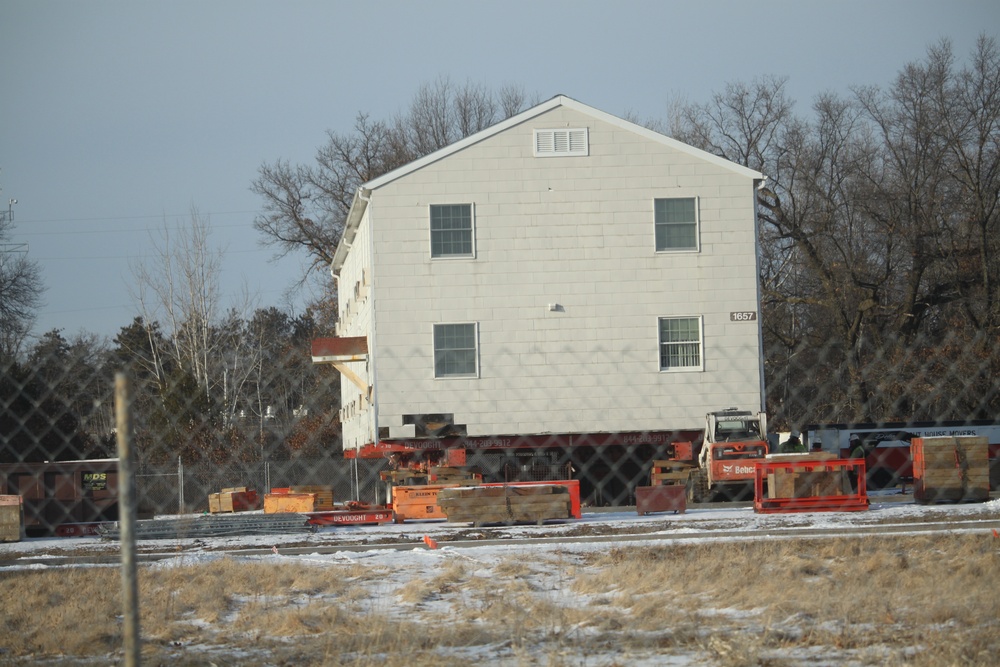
(743, 316)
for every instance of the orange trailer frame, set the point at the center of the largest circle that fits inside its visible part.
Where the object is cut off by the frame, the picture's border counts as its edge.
(420, 502)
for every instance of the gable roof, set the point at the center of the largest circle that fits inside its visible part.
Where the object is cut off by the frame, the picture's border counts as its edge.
(361, 197)
(555, 102)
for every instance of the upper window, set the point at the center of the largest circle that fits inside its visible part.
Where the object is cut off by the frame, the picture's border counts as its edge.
(553, 143)
(676, 223)
(680, 343)
(455, 350)
(451, 230)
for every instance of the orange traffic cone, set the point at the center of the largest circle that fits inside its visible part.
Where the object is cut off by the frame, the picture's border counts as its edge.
(431, 544)
(995, 533)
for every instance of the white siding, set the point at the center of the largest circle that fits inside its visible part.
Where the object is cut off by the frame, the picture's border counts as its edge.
(355, 319)
(573, 231)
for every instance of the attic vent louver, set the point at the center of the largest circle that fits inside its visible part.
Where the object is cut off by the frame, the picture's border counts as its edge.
(557, 143)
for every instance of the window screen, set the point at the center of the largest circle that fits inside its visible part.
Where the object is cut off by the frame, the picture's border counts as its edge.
(676, 224)
(454, 350)
(680, 342)
(451, 230)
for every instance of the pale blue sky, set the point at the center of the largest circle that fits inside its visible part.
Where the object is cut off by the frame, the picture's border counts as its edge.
(116, 116)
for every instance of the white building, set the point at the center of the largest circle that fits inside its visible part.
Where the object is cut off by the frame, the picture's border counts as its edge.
(564, 271)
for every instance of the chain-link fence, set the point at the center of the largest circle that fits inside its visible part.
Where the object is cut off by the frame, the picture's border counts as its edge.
(58, 443)
(186, 488)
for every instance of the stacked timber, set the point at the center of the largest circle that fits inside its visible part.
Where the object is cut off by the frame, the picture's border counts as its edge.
(449, 475)
(809, 482)
(806, 481)
(324, 496)
(289, 503)
(232, 499)
(299, 499)
(505, 504)
(669, 472)
(11, 519)
(954, 468)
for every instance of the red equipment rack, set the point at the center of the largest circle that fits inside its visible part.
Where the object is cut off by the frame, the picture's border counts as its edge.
(818, 486)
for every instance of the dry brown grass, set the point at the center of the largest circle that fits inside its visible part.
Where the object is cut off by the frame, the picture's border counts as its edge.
(917, 601)
(935, 592)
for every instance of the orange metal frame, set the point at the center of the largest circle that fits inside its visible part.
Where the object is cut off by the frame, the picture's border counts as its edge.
(420, 502)
(854, 500)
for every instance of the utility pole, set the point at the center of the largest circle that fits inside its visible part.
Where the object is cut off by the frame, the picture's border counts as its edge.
(7, 219)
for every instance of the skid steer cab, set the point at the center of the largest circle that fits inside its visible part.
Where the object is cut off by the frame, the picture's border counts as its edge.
(734, 441)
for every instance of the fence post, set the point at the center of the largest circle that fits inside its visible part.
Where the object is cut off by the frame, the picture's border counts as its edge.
(180, 487)
(126, 522)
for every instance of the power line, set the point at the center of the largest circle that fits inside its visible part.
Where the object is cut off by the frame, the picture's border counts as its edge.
(59, 259)
(134, 217)
(118, 231)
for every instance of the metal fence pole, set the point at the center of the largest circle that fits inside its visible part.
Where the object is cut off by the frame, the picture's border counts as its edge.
(126, 521)
(180, 486)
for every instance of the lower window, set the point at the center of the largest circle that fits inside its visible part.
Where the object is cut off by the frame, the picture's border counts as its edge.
(454, 350)
(680, 343)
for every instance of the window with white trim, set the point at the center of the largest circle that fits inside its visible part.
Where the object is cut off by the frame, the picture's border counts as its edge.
(452, 230)
(455, 352)
(676, 223)
(562, 142)
(680, 343)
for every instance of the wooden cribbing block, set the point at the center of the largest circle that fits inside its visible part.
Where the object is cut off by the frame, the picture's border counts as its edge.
(505, 504)
(289, 503)
(324, 495)
(951, 468)
(11, 518)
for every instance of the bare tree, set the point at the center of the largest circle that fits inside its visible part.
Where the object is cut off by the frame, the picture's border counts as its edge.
(201, 369)
(305, 206)
(512, 100)
(969, 114)
(744, 123)
(180, 287)
(139, 347)
(878, 236)
(21, 291)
